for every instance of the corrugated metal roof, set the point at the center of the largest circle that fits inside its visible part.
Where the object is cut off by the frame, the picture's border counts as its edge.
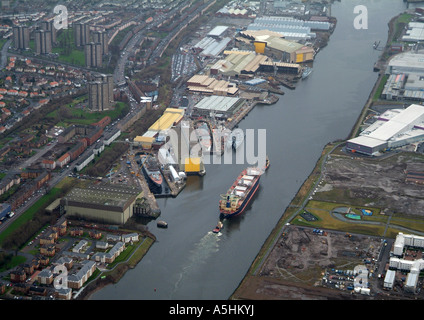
(217, 31)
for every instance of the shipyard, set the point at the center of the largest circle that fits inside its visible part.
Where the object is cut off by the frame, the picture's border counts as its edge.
(120, 141)
(240, 64)
(113, 135)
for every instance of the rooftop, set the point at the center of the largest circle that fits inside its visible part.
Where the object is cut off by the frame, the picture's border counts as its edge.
(217, 31)
(217, 103)
(167, 120)
(102, 195)
(413, 60)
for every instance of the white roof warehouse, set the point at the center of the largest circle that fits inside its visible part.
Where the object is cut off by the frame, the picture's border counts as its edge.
(394, 128)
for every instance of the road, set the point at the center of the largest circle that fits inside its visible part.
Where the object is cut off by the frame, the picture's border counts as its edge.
(3, 59)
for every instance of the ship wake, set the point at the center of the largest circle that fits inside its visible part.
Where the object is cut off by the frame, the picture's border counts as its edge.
(203, 250)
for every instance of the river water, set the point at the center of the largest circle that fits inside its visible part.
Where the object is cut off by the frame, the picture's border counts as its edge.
(188, 261)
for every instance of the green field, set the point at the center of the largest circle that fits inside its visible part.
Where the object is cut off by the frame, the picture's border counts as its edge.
(69, 115)
(14, 261)
(67, 50)
(75, 56)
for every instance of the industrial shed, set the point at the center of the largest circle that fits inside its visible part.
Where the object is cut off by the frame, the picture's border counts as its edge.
(394, 128)
(237, 63)
(102, 203)
(211, 86)
(222, 107)
(218, 31)
(406, 62)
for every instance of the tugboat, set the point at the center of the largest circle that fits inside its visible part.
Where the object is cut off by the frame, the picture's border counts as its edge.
(218, 227)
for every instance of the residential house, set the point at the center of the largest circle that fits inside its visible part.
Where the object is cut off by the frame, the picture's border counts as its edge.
(80, 246)
(109, 257)
(102, 245)
(18, 275)
(63, 293)
(20, 288)
(45, 276)
(48, 250)
(38, 291)
(76, 232)
(77, 280)
(95, 234)
(130, 237)
(68, 262)
(60, 226)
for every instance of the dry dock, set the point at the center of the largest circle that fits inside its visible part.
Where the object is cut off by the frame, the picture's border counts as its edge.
(147, 194)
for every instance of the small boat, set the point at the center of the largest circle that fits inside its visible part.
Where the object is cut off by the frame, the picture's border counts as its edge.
(162, 224)
(218, 227)
(267, 163)
(306, 72)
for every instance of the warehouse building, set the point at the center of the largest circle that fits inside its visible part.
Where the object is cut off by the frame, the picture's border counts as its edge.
(210, 47)
(293, 29)
(280, 67)
(217, 32)
(289, 21)
(414, 32)
(406, 62)
(221, 107)
(404, 87)
(273, 45)
(394, 128)
(170, 118)
(204, 84)
(102, 203)
(239, 63)
(288, 51)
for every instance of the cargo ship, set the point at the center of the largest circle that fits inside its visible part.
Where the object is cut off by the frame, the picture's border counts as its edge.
(152, 173)
(238, 196)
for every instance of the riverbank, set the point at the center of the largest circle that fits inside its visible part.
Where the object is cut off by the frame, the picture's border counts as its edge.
(252, 283)
(296, 205)
(113, 276)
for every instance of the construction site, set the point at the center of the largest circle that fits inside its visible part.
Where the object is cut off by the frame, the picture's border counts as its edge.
(307, 263)
(392, 181)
